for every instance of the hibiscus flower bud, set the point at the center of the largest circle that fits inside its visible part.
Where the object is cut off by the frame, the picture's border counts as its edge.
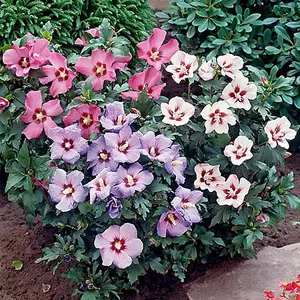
(3, 103)
(264, 81)
(287, 154)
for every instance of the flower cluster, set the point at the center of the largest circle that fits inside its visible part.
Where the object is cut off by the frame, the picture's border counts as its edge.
(290, 290)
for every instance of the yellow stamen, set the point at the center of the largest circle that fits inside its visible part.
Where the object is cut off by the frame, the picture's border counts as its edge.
(123, 147)
(119, 120)
(176, 163)
(103, 156)
(101, 183)
(172, 219)
(87, 120)
(130, 180)
(100, 70)
(152, 151)
(68, 191)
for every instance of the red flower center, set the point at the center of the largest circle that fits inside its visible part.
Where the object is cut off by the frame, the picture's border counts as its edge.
(86, 120)
(68, 144)
(277, 134)
(118, 245)
(68, 190)
(99, 69)
(154, 54)
(232, 192)
(217, 117)
(24, 62)
(130, 181)
(171, 218)
(101, 184)
(39, 115)
(123, 147)
(62, 74)
(104, 155)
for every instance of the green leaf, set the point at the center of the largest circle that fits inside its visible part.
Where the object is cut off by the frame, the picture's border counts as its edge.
(17, 265)
(15, 176)
(272, 50)
(134, 271)
(23, 156)
(250, 19)
(157, 186)
(282, 32)
(294, 201)
(156, 266)
(91, 295)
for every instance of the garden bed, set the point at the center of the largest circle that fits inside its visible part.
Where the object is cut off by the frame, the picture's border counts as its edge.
(17, 241)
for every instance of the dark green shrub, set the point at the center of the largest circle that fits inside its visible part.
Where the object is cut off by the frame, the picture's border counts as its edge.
(264, 33)
(69, 18)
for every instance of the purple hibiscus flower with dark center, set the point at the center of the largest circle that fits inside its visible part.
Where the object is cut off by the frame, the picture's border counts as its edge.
(135, 179)
(68, 144)
(172, 223)
(100, 157)
(176, 165)
(100, 187)
(66, 189)
(185, 201)
(114, 207)
(115, 118)
(157, 148)
(125, 145)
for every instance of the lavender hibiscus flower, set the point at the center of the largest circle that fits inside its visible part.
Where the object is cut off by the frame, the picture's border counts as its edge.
(68, 144)
(176, 165)
(157, 148)
(100, 157)
(131, 180)
(185, 201)
(100, 187)
(114, 207)
(125, 145)
(115, 118)
(172, 223)
(119, 245)
(66, 189)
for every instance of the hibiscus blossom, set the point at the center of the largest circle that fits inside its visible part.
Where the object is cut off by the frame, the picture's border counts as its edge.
(66, 189)
(115, 118)
(177, 112)
(157, 148)
(4, 103)
(176, 165)
(38, 115)
(217, 117)
(87, 117)
(68, 144)
(135, 179)
(208, 177)
(154, 52)
(206, 71)
(59, 74)
(93, 32)
(100, 187)
(233, 191)
(279, 131)
(148, 80)
(99, 67)
(230, 64)
(172, 223)
(119, 245)
(125, 145)
(239, 151)
(183, 66)
(185, 201)
(238, 92)
(39, 51)
(100, 157)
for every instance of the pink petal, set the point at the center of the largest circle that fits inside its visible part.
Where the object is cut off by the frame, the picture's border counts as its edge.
(58, 60)
(49, 72)
(71, 117)
(11, 57)
(111, 233)
(128, 231)
(157, 38)
(108, 256)
(137, 80)
(85, 66)
(33, 100)
(33, 130)
(133, 95)
(122, 260)
(156, 90)
(52, 108)
(153, 76)
(101, 242)
(134, 247)
(48, 125)
(169, 49)
(58, 87)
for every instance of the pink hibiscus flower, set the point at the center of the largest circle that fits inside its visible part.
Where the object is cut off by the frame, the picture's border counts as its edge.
(99, 67)
(39, 115)
(93, 32)
(148, 80)
(59, 74)
(119, 245)
(3, 103)
(87, 117)
(154, 52)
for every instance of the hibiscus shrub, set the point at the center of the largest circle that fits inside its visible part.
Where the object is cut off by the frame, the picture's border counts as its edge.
(134, 181)
(264, 33)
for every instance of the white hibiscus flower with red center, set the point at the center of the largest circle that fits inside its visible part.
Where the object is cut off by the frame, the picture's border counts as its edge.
(239, 151)
(233, 191)
(208, 177)
(279, 131)
(177, 112)
(217, 117)
(230, 64)
(183, 66)
(238, 93)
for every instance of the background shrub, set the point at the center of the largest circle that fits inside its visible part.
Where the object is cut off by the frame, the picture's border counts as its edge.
(264, 33)
(69, 18)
